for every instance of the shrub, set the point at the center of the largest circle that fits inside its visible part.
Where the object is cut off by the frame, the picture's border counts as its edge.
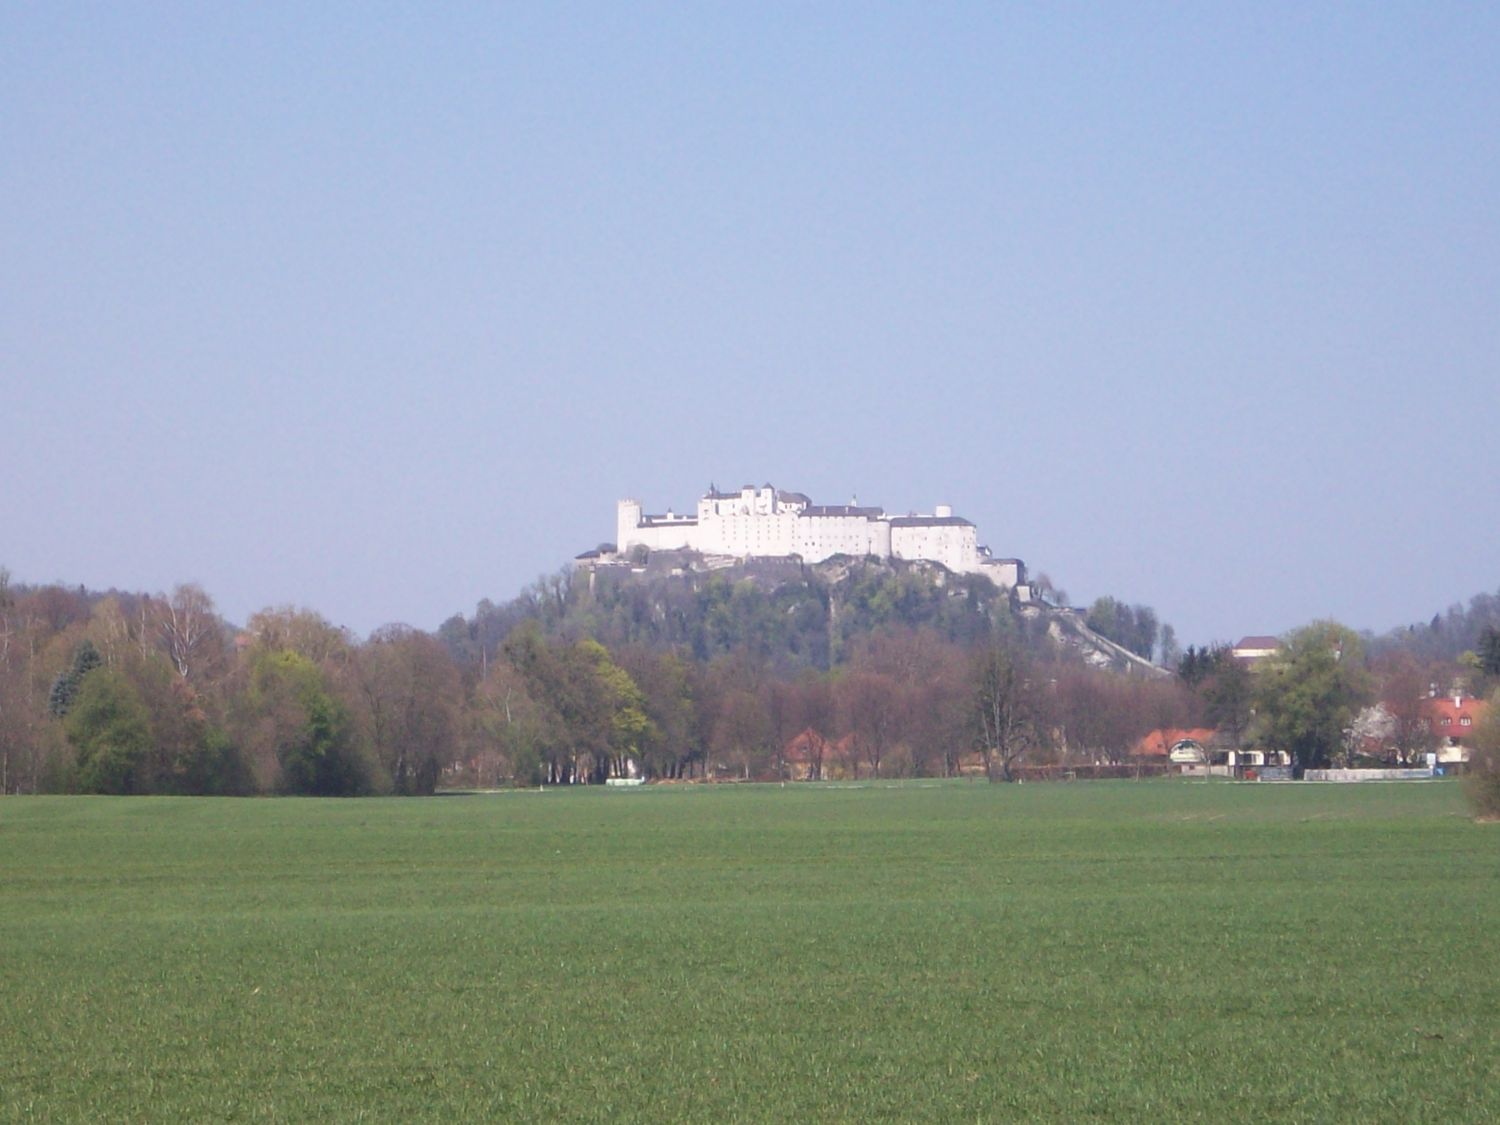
(1483, 780)
(1483, 783)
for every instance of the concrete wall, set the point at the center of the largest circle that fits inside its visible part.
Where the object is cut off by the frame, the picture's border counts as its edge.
(1367, 775)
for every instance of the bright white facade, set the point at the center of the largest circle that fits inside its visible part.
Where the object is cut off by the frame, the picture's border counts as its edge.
(768, 523)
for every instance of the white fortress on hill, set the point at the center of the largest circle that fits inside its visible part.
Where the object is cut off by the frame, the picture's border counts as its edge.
(768, 523)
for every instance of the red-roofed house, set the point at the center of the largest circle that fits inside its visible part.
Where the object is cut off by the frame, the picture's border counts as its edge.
(1453, 719)
(1200, 746)
(1177, 745)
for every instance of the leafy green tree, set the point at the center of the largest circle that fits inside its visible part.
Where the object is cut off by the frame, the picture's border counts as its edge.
(599, 709)
(1105, 618)
(311, 732)
(571, 716)
(110, 730)
(1308, 694)
(1134, 627)
(319, 760)
(214, 767)
(630, 728)
(666, 685)
(510, 734)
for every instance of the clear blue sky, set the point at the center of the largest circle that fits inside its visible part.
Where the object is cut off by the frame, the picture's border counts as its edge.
(379, 308)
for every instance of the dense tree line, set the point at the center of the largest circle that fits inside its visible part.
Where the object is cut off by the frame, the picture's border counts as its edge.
(887, 673)
(138, 694)
(878, 672)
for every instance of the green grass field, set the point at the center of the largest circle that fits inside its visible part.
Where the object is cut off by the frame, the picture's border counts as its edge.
(1148, 951)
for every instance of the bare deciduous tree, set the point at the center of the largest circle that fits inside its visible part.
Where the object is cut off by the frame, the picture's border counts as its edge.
(872, 708)
(188, 627)
(1006, 707)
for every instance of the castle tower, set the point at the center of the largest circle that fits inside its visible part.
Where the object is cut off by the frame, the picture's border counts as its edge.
(627, 520)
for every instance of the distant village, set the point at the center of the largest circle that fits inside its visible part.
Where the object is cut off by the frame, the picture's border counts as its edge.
(1441, 728)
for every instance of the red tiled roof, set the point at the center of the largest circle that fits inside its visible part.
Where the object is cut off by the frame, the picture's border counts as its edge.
(1159, 742)
(1447, 716)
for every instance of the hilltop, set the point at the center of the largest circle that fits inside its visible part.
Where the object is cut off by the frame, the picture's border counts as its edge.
(789, 613)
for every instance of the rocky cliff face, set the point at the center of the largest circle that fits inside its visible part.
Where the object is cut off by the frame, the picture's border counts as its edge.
(1066, 627)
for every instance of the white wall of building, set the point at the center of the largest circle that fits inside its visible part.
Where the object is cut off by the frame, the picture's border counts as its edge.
(822, 537)
(1005, 572)
(955, 544)
(765, 523)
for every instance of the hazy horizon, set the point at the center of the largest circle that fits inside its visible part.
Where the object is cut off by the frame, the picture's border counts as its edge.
(380, 309)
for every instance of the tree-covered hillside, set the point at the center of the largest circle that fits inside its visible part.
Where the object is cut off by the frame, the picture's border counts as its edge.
(775, 612)
(1448, 635)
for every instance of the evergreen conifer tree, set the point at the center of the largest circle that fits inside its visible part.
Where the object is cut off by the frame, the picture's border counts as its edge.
(65, 688)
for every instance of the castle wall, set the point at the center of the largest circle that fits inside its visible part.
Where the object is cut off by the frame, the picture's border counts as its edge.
(657, 533)
(763, 523)
(822, 537)
(1005, 572)
(954, 543)
(753, 534)
(666, 537)
(752, 521)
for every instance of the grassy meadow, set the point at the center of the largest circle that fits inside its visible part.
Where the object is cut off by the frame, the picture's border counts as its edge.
(1135, 950)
